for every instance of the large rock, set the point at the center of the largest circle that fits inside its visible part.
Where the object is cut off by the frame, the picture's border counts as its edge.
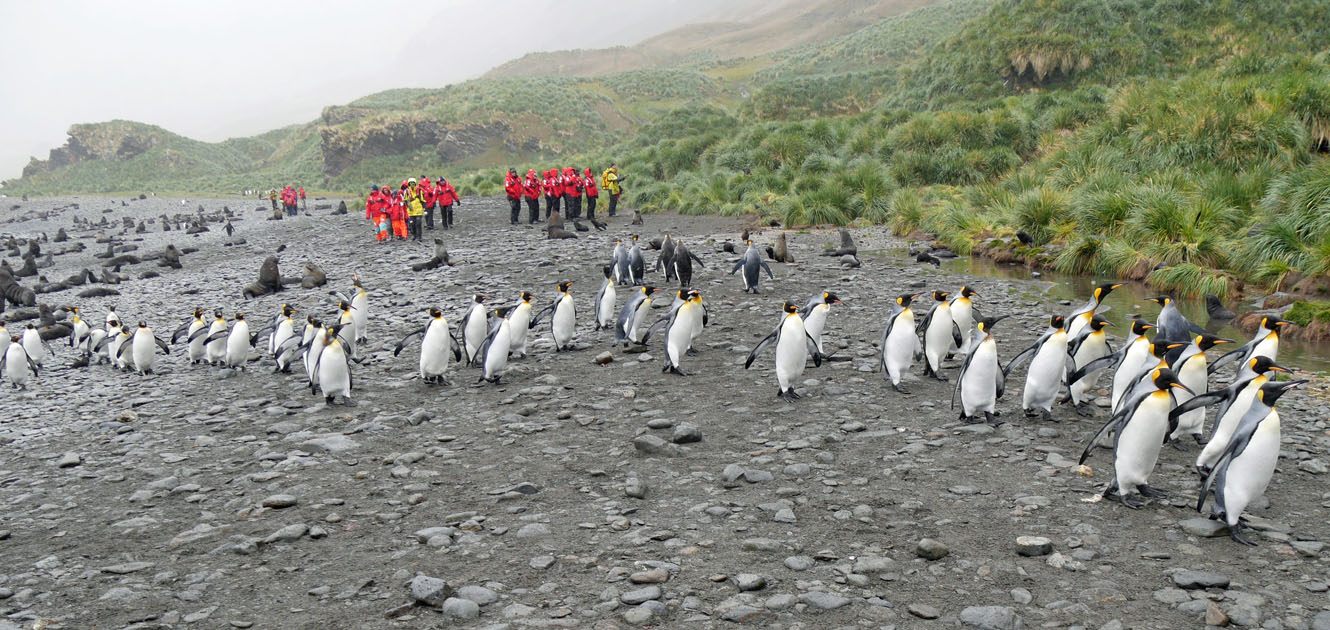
(1200, 579)
(991, 618)
(430, 591)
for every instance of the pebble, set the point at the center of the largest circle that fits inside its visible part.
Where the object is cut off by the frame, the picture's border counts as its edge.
(279, 501)
(458, 608)
(69, 460)
(480, 595)
(930, 549)
(656, 575)
(635, 597)
(634, 487)
(799, 563)
(1033, 546)
(822, 600)
(749, 582)
(430, 591)
(542, 562)
(533, 530)
(991, 618)
(923, 611)
(1200, 579)
(686, 433)
(1204, 527)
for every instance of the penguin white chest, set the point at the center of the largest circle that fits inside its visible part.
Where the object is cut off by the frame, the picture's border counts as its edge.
(791, 351)
(237, 344)
(605, 310)
(144, 350)
(816, 323)
(1248, 475)
(217, 347)
(1226, 424)
(900, 346)
(1044, 378)
(475, 330)
(434, 349)
(938, 339)
(16, 365)
(518, 323)
(564, 320)
(979, 383)
(334, 376)
(680, 335)
(496, 356)
(1138, 445)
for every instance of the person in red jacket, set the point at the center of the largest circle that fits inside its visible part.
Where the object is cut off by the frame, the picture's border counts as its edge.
(531, 190)
(429, 195)
(302, 199)
(572, 186)
(551, 193)
(446, 197)
(397, 212)
(374, 212)
(512, 184)
(589, 186)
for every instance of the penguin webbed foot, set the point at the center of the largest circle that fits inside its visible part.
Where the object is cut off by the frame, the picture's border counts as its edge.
(992, 418)
(1147, 491)
(901, 389)
(690, 352)
(1084, 410)
(1200, 441)
(1235, 532)
(1179, 445)
(1131, 501)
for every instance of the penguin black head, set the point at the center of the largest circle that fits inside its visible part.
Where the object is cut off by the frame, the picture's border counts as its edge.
(649, 290)
(69, 309)
(218, 314)
(789, 308)
(986, 324)
(478, 298)
(904, 300)
(694, 294)
(606, 270)
(1139, 326)
(309, 319)
(198, 313)
(1160, 348)
(634, 238)
(526, 297)
(111, 308)
(343, 306)
(333, 331)
(967, 292)
(113, 324)
(1205, 341)
(1270, 392)
(31, 327)
(1056, 322)
(1274, 323)
(1098, 322)
(1261, 364)
(240, 317)
(435, 313)
(1166, 379)
(502, 311)
(1102, 291)
(563, 286)
(143, 324)
(1162, 300)
(830, 298)
(288, 310)
(14, 338)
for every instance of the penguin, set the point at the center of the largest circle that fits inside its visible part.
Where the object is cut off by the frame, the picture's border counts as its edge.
(1128, 359)
(190, 332)
(1162, 354)
(815, 316)
(359, 301)
(332, 368)
(636, 264)
(238, 343)
(283, 342)
(436, 344)
(980, 383)
(346, 326)
(1049, 365)
(496, 346)
(1191, 368)
(1078, 318)
(215, 342)
(752, 264)
(474, 326)
(111, 318)
(793, 347)
(314, 350)
(962, 312)
(312, 326)
(563, 322)
(36, 347)
(519, 322)
(940, 335)
(1140, 425)
(1264, 343)
(900, 345)
(1171, 325)
(1233, 402)
(18, 366)
(635, 312)
(144, 348)
(619, 261)
(1243, 471)
(605, 299)
(99, 345)
(1091, 344)
(665, 261)
(684, 319)
(682, 264)
(122, 356)
(79, 331)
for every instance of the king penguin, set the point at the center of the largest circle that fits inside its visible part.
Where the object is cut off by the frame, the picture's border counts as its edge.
(1264, 343)
(1140, 425)
(436, 345)
(36, 347)
(193, 332)
(215, 342)
(238, 343)
(963, 313)
(18, 366)
(1243, 472)
(1233, 402)
(752, 265)
(563, 322)
(900, 344)
(628, 327)
(940, 335)
(1081, 316)
(1048, 369)
(684, 317)
(605, 299)
(145, 345)
(283, 344)
(495, 348)
(1089, 345)
(793, 346)
(815, 316)
(333, 368)
(519, 322)
(980, 383)
(636, 263)
(79, 332)
(474, 326)
(1191, 368)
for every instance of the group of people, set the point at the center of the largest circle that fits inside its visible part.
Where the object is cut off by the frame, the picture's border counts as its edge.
(289, 195)
(567, 185)
(407, 211)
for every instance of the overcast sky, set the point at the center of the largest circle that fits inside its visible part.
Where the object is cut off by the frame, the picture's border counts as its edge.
(216, 69)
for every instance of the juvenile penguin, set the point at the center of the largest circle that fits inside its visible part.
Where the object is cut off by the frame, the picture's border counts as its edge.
(962, 312)
(684, 319)
(940, 335)
(474, 326)
(18, 366)
(496, 346)
(605, 299)
(793, 347)
(753, 265)
(1140, 426)
(636, 264)
(333, 368)
(980, 383)
(238, 343)
(215, 343)
(636, 310)
(519, 322)
(1080, 317)
(1090, 345)
(815, 316)
(1243, 471)
(144, 348)
(436, 344)
(1192, 370)
(900, 345)
(1233, 402)
(1048, 368)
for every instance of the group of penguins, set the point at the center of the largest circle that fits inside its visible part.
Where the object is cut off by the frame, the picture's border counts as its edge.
(1159, 392)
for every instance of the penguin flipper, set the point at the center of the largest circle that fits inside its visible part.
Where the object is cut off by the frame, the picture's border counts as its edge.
(762, 345)
(454, 346)
(1227, 356)
(1115, 422)
(956, 333)
(1024, 355)
(124, 345)
(812, 349)
(662, 322)
(928, 318)
(1093, 366)
(180, 332)
(698, 260)
(1236, 445)
(737, 266)
(203, 330)
(161, 344)
(339, 295)
(402, 344)
(766, 268)
(808, 308)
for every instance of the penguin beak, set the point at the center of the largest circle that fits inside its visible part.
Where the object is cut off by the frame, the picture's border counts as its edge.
(1119, 284)
(1283, 323)
(1177, 385)
(1280, 368)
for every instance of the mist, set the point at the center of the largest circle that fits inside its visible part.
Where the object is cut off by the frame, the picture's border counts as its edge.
(211, 71)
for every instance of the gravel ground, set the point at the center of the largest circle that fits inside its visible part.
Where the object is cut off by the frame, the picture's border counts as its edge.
(585, 496)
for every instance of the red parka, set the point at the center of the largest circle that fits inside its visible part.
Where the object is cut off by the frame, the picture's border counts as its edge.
(531, 187)
(589, 183)
(572, 182)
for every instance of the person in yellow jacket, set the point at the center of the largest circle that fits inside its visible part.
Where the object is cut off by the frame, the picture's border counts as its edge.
(414, 198)
(610, 183)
